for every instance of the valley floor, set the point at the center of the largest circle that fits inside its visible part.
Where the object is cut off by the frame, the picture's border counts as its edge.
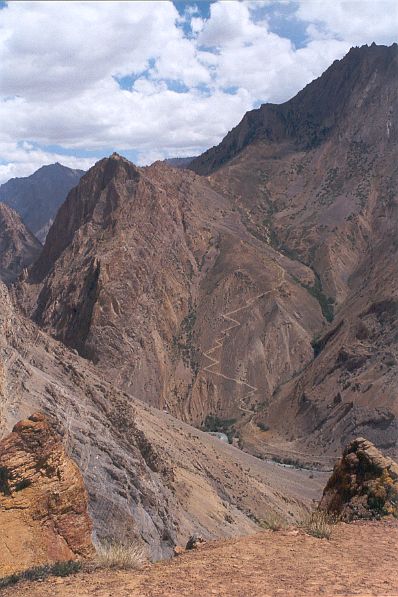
(360, 559)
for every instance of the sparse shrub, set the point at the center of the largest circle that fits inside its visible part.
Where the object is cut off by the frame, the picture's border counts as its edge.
(273, 522)
(111, 554)
(22, 484)
(42, 572)
(319, 524)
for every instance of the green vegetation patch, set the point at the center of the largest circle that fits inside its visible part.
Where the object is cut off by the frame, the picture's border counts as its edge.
(213, 424)
(183, 343)
(325, 302)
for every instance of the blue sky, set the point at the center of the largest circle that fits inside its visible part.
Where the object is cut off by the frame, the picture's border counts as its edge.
(150, 80)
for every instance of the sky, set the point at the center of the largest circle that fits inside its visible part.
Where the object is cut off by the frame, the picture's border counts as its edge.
(81, 79)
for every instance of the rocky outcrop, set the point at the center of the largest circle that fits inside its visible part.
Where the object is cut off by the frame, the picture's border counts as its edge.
(18, 247)
(43, 501)
(364, 484)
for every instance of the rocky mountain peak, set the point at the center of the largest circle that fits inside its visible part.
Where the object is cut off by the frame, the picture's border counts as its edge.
(94, 200)
(117, 156)
(115, 167)
(362, 85)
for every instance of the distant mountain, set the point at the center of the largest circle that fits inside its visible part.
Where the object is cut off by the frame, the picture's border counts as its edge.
(37, 197)
(179, 162)
(18, 247)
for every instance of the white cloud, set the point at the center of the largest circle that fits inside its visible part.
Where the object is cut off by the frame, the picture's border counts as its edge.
(229, 25)
(60, 48)
(252, 57)
(24, 159)
(355, 21)
(60, 63)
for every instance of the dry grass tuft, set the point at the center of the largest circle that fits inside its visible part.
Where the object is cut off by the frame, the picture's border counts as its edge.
(319, 524)
(111, 554)
(273, 522)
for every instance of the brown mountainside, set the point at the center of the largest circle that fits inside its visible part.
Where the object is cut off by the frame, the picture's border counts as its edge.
(18, 247)
(212, 295)
(332, 205)
(136, 273)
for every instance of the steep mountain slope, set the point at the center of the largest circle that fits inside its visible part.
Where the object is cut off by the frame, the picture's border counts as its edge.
(347, 89)
(37, 197)
(317, 178)
(210, 296)
(18, 247)
(147, 474)
(138, 272)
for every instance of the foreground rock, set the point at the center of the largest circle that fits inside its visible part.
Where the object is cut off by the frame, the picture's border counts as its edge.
(43, 502)
(364, 484)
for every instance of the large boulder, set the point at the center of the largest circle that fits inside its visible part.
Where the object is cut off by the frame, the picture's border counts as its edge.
(364, 484)
(43, 501)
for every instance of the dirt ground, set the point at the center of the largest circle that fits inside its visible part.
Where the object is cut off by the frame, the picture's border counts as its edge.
(359, 559)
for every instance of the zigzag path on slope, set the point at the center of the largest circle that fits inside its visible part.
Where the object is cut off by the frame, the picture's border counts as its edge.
(218, 343)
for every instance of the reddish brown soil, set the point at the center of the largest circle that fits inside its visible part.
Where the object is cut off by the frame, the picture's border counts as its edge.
(360, 559)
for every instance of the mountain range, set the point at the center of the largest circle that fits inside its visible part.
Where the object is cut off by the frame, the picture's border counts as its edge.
(252, 292)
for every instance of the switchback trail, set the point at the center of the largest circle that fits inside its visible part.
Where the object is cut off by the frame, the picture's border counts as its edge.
(218, 343)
